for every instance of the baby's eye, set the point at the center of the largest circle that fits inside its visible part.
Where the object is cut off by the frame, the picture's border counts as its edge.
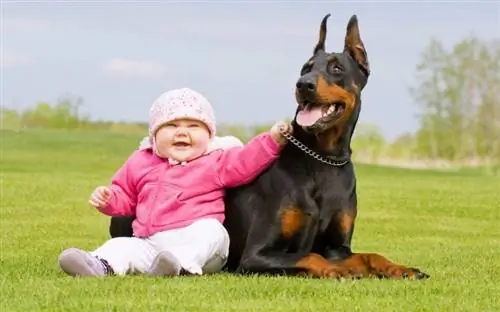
(193, 126)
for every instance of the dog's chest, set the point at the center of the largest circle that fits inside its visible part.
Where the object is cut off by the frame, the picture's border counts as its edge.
(331, 195)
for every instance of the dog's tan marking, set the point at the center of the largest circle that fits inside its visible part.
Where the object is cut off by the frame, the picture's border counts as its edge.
(346, 222)
(329, 93)
(292, 220)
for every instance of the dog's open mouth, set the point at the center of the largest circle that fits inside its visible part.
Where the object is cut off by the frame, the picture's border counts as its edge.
(312, 113)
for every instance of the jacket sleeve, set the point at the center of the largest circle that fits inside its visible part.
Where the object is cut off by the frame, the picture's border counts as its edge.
(123, 199)
(240, 165)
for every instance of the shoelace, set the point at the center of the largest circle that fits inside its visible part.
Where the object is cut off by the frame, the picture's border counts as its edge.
(108, 270)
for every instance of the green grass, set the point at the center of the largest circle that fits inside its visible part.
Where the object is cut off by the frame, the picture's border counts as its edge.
(446, 223)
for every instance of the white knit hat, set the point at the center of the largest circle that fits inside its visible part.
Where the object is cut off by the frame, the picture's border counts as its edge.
(180, 103)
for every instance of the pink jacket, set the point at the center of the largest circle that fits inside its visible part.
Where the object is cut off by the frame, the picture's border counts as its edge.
(162, 196)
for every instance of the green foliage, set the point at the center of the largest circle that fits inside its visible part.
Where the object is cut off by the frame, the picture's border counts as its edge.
(368, 142)
(9, 119)
(457, 93)
(403, 147)
(63, 115)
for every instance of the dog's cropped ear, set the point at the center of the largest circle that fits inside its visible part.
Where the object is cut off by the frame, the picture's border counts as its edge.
(354, 45)
(320, 46)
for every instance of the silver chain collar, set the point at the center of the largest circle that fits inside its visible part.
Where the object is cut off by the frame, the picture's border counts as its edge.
(312, 153)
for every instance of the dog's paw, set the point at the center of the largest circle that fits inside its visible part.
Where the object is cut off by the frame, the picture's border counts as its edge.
(401, 272)
(339, 272)
(414, 274)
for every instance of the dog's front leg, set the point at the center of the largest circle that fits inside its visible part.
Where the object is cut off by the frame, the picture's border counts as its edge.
(356, 265)
(337, 219)
(310, 264)
(284, 247)
(376, 265)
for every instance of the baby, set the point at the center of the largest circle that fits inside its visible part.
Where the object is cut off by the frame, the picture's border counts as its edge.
(175, 190)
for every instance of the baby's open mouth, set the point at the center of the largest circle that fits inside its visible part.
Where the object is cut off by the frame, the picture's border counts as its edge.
(181, 144)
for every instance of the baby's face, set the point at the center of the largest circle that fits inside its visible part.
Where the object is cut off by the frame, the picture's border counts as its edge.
(182, 139)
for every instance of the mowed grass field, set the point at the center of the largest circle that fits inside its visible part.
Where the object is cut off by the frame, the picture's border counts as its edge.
(446, 223)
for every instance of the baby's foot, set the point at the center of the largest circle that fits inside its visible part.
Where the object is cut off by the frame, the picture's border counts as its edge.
(77, 262)
(165, 264)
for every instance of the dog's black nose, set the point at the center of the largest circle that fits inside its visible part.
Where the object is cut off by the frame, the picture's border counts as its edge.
(306, 84)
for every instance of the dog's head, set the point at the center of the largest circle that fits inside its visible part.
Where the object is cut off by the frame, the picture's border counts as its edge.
(328, 90)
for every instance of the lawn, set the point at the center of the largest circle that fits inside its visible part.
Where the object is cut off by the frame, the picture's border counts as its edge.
(446, 223)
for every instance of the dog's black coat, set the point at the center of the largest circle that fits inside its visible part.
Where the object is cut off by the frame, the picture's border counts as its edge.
(298, 216)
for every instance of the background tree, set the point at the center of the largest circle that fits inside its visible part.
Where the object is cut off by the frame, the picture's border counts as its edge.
(457, 92)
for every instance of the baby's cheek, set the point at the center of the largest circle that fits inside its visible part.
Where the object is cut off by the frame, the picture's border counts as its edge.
(203, 143)
(205, 139)
(162, 148)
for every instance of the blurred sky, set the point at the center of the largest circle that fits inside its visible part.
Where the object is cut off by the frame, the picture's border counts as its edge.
(244, 56)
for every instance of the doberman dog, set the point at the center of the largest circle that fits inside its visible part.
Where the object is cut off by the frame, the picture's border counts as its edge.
(297, 217)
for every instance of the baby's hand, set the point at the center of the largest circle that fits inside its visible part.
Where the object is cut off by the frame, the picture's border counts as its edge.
(100, 196)
(276, 133)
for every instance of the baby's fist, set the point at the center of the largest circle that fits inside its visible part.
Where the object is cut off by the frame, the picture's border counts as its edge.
(100, 197)
(278, 129)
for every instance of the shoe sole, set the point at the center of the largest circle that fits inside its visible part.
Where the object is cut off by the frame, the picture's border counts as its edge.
(165, 264)
(75, 263)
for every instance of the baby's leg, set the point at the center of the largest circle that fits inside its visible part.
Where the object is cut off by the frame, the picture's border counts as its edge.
(127, 255)
(119, 256)
(200, 248)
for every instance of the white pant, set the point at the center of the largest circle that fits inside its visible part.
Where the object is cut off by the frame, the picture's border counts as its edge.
(201, 247)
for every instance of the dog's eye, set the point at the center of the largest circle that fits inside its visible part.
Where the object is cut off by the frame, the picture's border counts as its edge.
(307, 68)
(335, 69)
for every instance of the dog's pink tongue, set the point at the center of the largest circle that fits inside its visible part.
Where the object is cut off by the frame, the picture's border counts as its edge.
(307, 117)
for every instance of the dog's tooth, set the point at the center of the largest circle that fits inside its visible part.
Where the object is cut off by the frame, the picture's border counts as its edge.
(331, 109)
